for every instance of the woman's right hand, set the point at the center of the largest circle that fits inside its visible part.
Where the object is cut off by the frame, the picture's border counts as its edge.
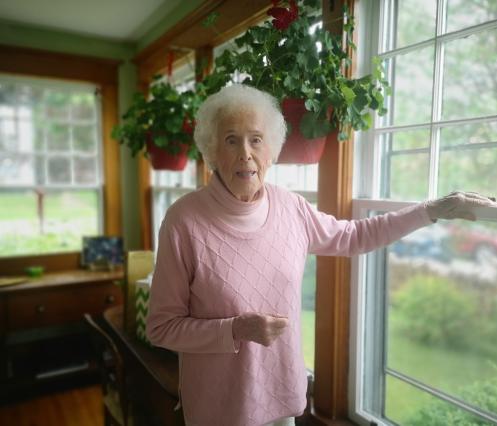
(258, 328)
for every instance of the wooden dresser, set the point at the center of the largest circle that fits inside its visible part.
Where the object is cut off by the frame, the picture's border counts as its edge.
(42, 335)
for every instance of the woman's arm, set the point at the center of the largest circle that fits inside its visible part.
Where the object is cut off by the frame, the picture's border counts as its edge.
(332, 237)
(169, 323)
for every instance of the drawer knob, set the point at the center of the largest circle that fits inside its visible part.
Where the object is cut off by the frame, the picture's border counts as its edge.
(110, 299)
(40, 309)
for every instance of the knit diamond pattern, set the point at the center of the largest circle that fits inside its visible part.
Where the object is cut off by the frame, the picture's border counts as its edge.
(239, 272)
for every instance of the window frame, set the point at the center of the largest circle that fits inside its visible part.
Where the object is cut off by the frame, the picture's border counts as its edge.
(26, 62)
(367, 192)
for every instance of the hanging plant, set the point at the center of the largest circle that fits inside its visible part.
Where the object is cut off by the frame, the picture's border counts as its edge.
(165, 122)
(292, 56)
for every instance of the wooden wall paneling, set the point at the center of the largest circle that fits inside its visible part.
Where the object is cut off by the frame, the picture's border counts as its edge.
(112, 187)
(43, 63)
(51, 262)
(333, 273)
(145, 201)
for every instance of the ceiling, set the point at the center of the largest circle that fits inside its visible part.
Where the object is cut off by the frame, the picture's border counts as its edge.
(120, 20)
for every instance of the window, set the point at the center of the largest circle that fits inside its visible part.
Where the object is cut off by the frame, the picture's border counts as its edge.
(425, 308)
(50, 165)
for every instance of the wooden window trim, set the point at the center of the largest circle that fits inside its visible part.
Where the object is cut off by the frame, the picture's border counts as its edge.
(102, 72)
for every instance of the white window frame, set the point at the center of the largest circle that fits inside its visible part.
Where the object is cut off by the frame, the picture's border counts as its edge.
(98, 186)
(366, 190)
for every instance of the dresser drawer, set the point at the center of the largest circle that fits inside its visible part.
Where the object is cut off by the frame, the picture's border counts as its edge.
(39, 308)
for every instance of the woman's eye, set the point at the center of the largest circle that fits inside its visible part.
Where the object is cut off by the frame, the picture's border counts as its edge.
(257, 140)
(231, 140)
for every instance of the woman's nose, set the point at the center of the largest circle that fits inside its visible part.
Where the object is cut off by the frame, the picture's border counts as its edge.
(245, 153)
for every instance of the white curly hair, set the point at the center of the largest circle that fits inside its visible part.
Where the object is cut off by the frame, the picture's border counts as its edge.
(234, 98)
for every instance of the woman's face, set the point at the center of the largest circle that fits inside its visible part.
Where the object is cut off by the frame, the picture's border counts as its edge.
(243, 154)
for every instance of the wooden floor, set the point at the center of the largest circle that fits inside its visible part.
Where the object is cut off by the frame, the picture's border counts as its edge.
(74, 407)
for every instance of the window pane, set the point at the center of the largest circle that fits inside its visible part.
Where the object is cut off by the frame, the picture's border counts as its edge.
(309, 311)
(465, 165)
(411, 77)
(46, 222)
(84, 138)
(58, 138)
(59, 170)
(8, 134)
(466, 13)
(415, 22)
(184, 179)
(57, 105)
(469, 84)
(7, 100)
(29, 102)
(83, 106)
(16, 169)
(405, 173)
(294, 177)
(442, 309)
(85, 170)
(407, 405)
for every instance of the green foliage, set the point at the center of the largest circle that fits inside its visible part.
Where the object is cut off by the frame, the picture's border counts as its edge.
(295, 63)
(439, 413)
(167, 117)
(435, 312)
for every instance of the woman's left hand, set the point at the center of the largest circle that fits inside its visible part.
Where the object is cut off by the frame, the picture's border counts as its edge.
(458, 205)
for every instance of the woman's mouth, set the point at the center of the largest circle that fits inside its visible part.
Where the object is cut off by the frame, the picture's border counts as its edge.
(245, 174)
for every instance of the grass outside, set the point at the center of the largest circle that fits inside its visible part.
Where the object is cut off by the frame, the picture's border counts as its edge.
(67, 217)
(308, 321)
(438, 367)
(57, 205)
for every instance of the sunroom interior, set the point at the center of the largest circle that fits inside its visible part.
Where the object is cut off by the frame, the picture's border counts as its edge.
(404, 335)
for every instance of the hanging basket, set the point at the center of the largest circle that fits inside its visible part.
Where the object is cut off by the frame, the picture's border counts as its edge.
(163, 160)
(297, 149)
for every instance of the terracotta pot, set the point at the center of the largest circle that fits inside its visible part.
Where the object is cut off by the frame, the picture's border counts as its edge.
(163, 160)
(297, 149)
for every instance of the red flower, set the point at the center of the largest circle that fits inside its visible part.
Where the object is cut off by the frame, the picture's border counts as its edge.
(188, 125)
(283, 17)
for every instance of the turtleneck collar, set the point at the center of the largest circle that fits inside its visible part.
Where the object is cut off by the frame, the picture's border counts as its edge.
(229, 202)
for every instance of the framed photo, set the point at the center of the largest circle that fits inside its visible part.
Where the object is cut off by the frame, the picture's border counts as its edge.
(101, 253)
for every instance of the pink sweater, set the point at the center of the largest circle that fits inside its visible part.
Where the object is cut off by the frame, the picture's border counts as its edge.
(208, 272)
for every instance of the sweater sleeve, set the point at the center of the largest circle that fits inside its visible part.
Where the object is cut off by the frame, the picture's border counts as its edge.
(169, 323)
(331, 237)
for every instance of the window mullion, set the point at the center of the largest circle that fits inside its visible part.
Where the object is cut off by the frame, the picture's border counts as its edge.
(436, 112)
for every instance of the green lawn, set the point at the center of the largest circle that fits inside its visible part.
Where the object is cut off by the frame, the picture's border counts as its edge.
(308, 327)
(67, 217)
(59, 205)
(442, 368)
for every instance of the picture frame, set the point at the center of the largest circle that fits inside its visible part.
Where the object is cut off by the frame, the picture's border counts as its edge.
(102, 252)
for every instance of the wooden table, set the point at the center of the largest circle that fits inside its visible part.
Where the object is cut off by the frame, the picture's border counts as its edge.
(152, 375)
(42, 333)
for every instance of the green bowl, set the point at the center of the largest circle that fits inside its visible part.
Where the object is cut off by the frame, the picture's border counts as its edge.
(34, 271)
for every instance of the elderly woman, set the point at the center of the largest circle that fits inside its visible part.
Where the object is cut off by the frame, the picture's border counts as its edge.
(226, 292)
